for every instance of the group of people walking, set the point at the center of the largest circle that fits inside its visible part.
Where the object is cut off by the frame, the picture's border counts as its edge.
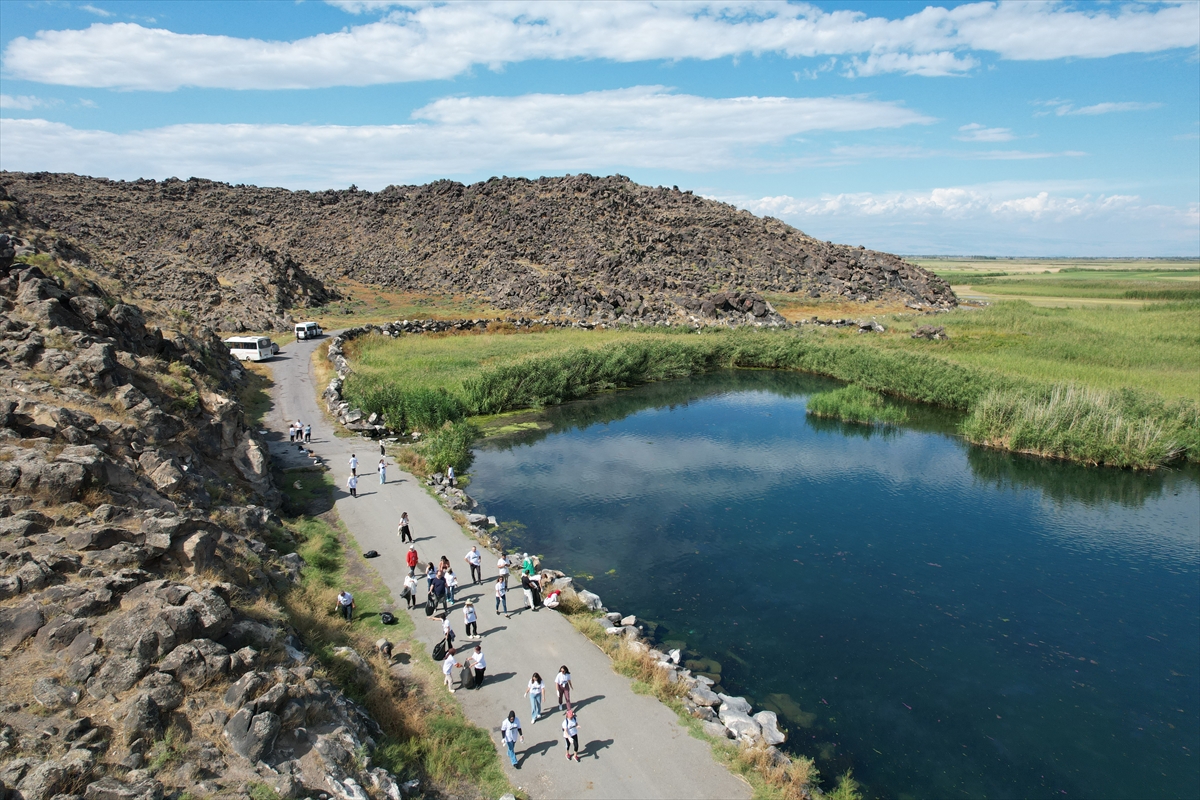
(352, 481)
(510, 729)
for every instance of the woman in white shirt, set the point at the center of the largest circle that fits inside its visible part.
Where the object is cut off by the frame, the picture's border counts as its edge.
(472, 622)
(479, 664)
(536, 692)
(410, 590)
(570, 729)
(563, 682)
(451, 585)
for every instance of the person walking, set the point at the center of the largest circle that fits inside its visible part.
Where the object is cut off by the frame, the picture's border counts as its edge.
(437, 590)
(448, 665)
(382, 449)
(450, 475)
(502, 566)
(562, 681)
(510, 730)
(307, 433)
(479, 664)
(345, 605)
(475, 561)
(353, 464)
(536, 692)
(527, 588)
(352, 485)
(403, 530)
(410, 590)
(501, 596)
(471, 621)
(382, 472)
(430, 574)
(292, 432)
(451, 586)
(570, 729)
(412, 559)
(448, 632)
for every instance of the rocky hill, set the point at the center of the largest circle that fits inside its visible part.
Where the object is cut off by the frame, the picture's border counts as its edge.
(578, 247)
(135, 515)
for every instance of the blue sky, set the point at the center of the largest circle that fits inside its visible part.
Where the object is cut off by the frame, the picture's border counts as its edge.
(967, 128)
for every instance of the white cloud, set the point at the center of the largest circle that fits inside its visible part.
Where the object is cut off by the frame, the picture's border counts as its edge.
(979, 133)
(99, 12)
(24, 102)
(642, 127)
(1065, 108)
(993, 219)
(427, 41)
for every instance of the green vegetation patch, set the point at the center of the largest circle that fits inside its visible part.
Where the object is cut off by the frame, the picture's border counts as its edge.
(855, 404)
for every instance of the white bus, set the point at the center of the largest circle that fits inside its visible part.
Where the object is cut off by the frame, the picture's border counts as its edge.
(308, 330)
(251, 348)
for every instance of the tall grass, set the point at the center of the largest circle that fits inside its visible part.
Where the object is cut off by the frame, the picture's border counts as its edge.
(855, 404)
(449, 446)
(1078, 424)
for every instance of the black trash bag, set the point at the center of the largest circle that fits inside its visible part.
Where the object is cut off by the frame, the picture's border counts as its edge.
(371, 554)
(387, 618)
(439, 651)
(430, 606)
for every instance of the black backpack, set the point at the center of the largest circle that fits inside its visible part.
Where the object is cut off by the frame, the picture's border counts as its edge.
(387, 618)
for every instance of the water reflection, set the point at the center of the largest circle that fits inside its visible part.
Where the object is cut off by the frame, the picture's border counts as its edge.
(946, 620)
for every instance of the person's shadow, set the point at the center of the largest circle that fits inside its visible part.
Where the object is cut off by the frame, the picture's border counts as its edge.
(499, 677)
(587, 701)
(496, 629)
(592, 749)
(539, 749)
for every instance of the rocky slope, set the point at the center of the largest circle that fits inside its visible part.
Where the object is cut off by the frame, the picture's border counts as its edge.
(135, 658)
(580, 247)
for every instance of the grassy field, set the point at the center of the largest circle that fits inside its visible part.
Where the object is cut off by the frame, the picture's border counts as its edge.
(1070, 282)
(1145, 357)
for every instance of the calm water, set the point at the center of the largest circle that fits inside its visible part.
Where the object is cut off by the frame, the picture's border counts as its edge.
(947, 621)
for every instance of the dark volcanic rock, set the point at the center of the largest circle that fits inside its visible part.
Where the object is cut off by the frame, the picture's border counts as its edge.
(580, 247)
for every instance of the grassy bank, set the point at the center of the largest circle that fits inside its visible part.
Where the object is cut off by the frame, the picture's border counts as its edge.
(1144, 362)
(426, 734)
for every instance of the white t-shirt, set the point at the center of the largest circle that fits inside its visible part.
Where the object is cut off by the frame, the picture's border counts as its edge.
(451, 580)
(562, 679)
(570, 727)
(448, 665)
(510, 730)
(536, 687)
(445, 626)
(501, 589)
(478, 660)
(345, 599)
(352, 482)
(502, 565)
(354, 463)
(469, 614)
(473, 558)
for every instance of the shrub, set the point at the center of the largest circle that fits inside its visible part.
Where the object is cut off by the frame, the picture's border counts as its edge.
(855, 404)
(449, 446)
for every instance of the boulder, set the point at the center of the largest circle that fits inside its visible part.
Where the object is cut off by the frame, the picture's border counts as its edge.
(196, 663)
(742, 726)
(113, 789)
(361, 668)
(703, 696)
(629, 621)
(715, 730)
(243, 689)
(163, 689)
(738, 704)
(49, 694)
(590, 600)
(769, 723)
(60, 632)
(675, 655)
(142, 721)
(19, 623)
(252, 735)
(118, 674)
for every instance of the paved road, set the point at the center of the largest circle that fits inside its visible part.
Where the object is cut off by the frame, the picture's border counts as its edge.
(631, 746)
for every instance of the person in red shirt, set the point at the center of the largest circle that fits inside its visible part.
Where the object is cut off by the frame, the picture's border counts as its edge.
(413, 560)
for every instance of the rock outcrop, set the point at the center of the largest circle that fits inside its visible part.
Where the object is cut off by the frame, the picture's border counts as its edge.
(577, 247)
(135, 511)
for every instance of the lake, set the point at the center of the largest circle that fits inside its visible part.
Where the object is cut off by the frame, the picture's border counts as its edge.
(945, 620)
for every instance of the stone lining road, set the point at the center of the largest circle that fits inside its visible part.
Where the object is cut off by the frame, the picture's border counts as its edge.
(631, 746)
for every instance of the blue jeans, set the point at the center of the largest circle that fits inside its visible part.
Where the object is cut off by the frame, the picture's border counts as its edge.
(503, 600)
(535, 705)
(382, 476)
(512, 755)
(450, 595)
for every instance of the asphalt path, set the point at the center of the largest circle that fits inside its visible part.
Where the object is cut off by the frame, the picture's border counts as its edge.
(631, 746)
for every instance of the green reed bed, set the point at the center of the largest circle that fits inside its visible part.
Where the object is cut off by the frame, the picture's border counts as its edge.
(1020, 372)
(855, 404)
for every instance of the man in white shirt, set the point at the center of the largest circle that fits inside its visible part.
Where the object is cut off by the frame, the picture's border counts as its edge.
(352, 485)
(448, 665)
(353, 464)
(475, 561)
(345, 603)
(479, 665)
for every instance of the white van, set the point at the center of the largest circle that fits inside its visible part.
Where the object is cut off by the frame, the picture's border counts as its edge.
(251, 348)
(308, 330)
